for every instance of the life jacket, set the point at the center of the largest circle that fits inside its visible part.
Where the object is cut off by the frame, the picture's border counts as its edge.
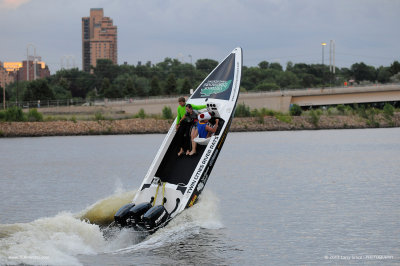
(201, 127)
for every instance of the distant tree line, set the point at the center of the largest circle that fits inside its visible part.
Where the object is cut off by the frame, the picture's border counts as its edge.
(271, 76)
(172, 77)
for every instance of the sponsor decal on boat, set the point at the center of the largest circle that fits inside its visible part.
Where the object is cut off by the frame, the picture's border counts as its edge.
(159, 218)
(193, 200)
(203, 165)
(203, 181)
(214, 87)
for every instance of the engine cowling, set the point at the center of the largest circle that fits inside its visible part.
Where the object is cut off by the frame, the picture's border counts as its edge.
(155, 216)
(121, 216)
(135, 214)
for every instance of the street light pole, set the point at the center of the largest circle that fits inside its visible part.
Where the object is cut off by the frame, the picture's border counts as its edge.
(323, 45)
(323, 76)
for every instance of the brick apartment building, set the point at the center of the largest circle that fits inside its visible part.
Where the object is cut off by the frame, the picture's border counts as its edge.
(42, 71)
(99, 39)
(12, 71)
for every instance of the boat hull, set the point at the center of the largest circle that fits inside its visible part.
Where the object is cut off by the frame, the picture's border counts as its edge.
(174, 183)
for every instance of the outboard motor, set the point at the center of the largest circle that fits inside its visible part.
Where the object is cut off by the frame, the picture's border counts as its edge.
(121, 215)
(135, 214)
(155, 217)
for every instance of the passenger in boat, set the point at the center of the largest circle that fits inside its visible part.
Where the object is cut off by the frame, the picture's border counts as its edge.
(184, 127)
(181, 110)
(204, 129)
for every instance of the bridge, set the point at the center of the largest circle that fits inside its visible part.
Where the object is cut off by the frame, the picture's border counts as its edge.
(281, 100)
(276, 100)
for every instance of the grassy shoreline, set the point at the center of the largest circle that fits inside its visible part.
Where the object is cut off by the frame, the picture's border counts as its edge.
(161, 126)
(16, 123)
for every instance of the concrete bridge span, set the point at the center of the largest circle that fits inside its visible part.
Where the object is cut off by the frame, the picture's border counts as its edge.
(277, 100)
(281, 100)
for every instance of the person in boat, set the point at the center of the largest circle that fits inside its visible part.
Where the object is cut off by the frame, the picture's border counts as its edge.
(185, 125)
(181, 110)
(204, 129)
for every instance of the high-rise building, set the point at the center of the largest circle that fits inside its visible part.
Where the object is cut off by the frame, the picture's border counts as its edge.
(99, 39)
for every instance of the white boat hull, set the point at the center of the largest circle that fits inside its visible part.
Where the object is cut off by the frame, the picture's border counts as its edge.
(176, 182)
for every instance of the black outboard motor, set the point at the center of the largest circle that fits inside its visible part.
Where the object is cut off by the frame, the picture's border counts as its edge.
(135, 214)
(121, 216)
(154, 217)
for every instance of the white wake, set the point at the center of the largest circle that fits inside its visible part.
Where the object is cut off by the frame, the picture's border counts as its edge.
(60, 239)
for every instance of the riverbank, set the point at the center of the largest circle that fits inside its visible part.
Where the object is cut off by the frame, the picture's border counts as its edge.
(161, 126)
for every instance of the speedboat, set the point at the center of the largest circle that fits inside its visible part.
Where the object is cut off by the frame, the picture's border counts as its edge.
(174, 183)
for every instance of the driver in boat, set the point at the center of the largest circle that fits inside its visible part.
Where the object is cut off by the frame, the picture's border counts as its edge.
(205, 130)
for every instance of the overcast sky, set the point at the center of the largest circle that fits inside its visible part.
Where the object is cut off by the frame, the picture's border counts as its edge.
(150, 30)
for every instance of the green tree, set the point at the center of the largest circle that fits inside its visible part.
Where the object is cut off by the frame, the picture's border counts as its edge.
(346, 73)
(130, 89)
(276, 66)
(105, 86)
(395, 67)
(123, 85)
(384, 74)
(308, 80)
(61, 93)
(77, 82)
(105, 68)
(287, 80)
(144, 71)
(186, 86)
(263, 65)
(142, 86)
(252, 76)
(289, 66)
(155, 88)
(38, 90)
(171, 87)
(206, 65)
(363, 72)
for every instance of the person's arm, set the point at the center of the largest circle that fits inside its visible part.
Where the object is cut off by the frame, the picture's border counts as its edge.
(213, 129)
(179, 118)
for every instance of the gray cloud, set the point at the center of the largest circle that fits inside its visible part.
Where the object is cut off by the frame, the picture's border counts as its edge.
(273, 30)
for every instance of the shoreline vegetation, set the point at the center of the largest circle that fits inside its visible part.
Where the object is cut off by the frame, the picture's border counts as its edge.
(16, 123)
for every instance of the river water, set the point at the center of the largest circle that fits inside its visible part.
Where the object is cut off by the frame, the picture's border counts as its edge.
(273, 198)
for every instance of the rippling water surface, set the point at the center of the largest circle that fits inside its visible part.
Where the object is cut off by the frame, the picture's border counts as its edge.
(273, 198)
